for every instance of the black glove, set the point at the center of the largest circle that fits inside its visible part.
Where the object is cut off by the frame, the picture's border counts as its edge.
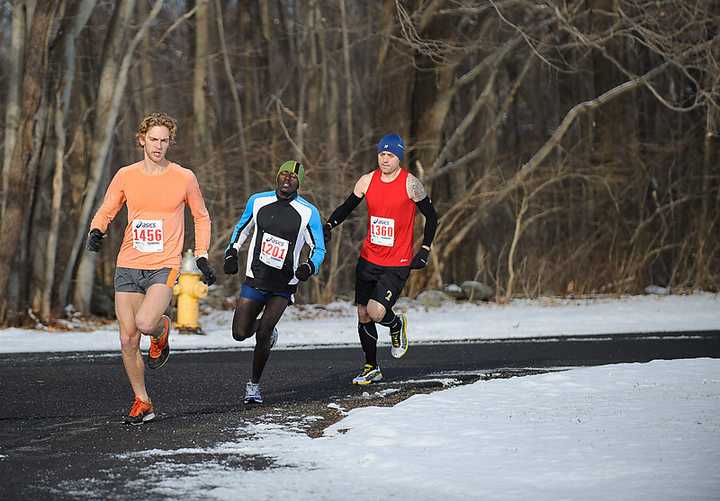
(207, 271)
(327, 228)
(420, 260)
(230, 266)
(304, 271)
(94, 240)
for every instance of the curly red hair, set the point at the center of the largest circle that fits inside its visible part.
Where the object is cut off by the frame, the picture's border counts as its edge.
(156, 120)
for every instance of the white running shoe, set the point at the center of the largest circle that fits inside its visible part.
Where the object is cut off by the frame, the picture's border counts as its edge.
(369, 374)
(274, 337)
(399, 339)
(252, 393)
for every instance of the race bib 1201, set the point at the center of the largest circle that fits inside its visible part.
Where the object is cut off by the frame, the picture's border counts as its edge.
(147, 235)
(382, 231)
(273, 250)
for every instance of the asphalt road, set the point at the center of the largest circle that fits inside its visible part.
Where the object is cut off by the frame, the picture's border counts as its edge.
(61, 431)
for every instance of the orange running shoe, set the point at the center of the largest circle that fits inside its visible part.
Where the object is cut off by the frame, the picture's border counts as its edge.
(140, 412)
(160, 346)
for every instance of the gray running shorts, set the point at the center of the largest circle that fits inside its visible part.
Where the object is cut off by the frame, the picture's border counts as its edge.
(133, 280)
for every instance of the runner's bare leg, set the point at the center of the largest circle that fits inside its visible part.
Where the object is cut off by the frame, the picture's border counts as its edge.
(127, 305)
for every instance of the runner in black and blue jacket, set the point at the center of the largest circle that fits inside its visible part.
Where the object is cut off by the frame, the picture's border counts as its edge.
(278, 223)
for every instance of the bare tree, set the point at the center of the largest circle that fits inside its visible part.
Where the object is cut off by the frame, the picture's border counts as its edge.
(569, 142)
(117, 59)
(63, 94)
(30, 126)
(12, 106)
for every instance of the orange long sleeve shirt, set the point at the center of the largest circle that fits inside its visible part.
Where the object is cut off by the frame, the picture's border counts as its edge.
(155, 232)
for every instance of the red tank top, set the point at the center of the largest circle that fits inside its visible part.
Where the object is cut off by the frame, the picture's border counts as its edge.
(391, 218)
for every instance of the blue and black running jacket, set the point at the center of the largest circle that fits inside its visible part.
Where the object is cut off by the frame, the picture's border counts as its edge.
(279, 229)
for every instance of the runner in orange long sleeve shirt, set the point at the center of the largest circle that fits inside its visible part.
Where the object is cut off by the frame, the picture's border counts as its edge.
(156, 192)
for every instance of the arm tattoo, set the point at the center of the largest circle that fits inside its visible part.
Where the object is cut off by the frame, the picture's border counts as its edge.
(415, 189)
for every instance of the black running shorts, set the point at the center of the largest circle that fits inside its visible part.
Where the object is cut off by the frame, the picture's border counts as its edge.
(381, 283)
(132, 280)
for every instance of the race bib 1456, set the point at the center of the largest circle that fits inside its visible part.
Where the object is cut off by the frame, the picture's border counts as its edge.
(147, 235)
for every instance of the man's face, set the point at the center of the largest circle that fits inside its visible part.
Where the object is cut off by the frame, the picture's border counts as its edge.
(287, 183)
(156, 142)
(388, 162)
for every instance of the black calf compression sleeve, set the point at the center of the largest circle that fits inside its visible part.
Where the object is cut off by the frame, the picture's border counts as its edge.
(391, 321)
(427, 209)
(343, 210)
(368, 341)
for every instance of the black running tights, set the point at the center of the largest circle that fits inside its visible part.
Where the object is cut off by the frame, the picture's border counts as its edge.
(246, 323)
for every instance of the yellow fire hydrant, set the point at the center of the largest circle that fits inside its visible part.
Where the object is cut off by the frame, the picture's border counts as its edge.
(189, 290)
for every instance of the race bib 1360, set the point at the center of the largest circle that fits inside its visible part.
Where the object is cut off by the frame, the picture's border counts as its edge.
(382, 231)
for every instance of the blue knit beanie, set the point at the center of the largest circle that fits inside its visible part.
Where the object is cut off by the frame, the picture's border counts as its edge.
(392, 143)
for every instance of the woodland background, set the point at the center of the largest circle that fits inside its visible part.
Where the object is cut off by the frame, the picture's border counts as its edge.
(569, 146)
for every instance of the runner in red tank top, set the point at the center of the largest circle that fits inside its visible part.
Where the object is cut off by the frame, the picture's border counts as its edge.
(391, 213)
(386, 257)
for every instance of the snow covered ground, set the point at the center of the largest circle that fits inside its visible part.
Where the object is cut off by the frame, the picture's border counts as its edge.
(335, 324)
(623, 432)
(628, 431)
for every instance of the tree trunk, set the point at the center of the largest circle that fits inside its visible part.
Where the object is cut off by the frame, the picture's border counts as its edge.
(149, 103)
(117, 59)
(19, 171)
(707, 223)
(395, 77)
(348, 79)
(31, 263)
(57, 187)
(103, 126)
(245, 167)
(336, 180)
(433, 92)
(200, 77)
(62, 103)
(12, 105)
